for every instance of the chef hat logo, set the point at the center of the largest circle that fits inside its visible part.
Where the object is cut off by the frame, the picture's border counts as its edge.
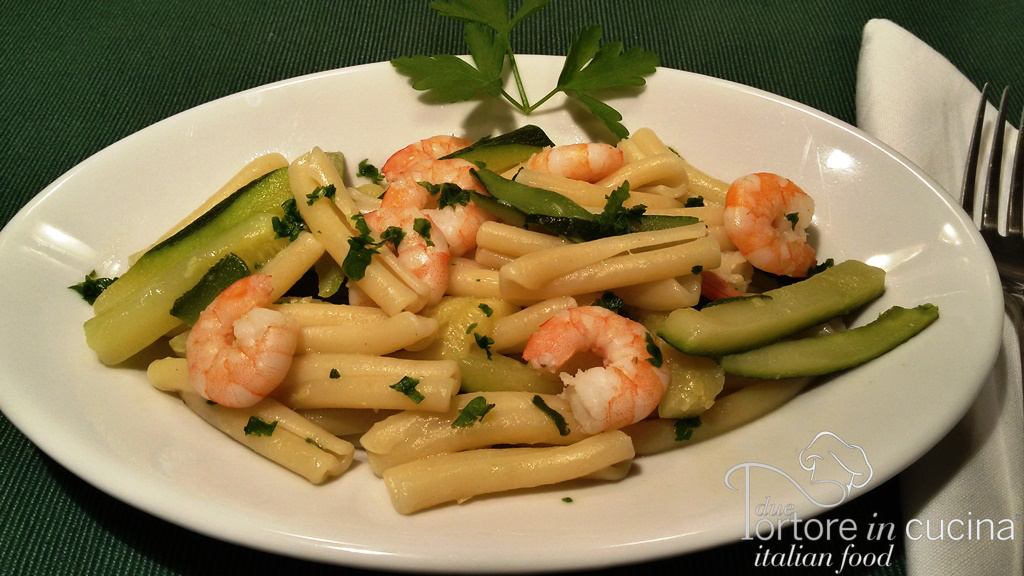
(830, 460)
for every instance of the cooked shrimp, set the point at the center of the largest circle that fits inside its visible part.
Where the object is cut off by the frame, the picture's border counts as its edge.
(421, 152)
(587, 162)
(459, 223)
(427, 259)
(766, 217)
(239, 350)
(624, 390)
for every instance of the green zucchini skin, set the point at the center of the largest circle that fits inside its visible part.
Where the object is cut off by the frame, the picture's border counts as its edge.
(505, 151)
(747, 323)
(833, 352)
(224, 273)
(135, 310)
(261, 196)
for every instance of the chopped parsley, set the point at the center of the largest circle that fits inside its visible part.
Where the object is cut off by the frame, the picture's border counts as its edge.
(567, 500)
(361, 226)
(615, 217)
(486, 309)
(471, 327)
(793, 218)
(292, 224)
(695, 202)
(334, 375)
(610, 301)
(321, 192)
(407, 386)
(90, 288)
(563, 428)
(696, 270)
(820, 267)
(473, 412)
(684, 427)
(367, 170)
(655, 352)
(360, 250)
(314, 443)
(448, 194)
(393, 234)
(258, 427)
(421, 226)
(484, 342)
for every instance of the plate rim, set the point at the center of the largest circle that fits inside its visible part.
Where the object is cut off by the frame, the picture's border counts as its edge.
(368, 559)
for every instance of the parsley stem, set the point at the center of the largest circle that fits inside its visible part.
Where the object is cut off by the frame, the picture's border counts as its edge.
(525, 102)
(538, 103)
(515, 103)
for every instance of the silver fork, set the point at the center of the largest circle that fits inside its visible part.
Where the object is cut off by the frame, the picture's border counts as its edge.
(1008, 251)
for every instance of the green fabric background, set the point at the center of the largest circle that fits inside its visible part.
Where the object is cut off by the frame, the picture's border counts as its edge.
(78, 76)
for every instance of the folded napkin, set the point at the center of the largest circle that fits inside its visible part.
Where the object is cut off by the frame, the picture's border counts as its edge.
(917, 102)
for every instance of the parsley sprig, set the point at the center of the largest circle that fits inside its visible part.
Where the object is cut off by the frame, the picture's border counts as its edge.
(590, 66)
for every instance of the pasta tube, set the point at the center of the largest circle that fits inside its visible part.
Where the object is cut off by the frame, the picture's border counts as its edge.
(402, 331)
(283, 437)
(381, 392)
(591, 195)
(515, 419)
(622, 271)
(511, 333)
(457, 477)
(538, 268)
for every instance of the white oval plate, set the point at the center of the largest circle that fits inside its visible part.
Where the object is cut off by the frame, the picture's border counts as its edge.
(108, 425)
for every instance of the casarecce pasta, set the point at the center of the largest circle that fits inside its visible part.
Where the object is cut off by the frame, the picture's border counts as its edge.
(439, 395)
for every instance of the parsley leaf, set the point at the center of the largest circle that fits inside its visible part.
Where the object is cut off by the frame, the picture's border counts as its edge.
(615, 216)
(695, 202)
(334, 375)
(258, 427)
(793, 219)
(367, 170)
(484, 342)
(655, 352)
(321, 192)
(393, 234)
(473, 412)
(471, 327)
(610, 301)
(407, 386)
(360, 252)
(448, 194)
(90, 288)
(446, 77)
(421, 226)
(684, 427)
(487, 310)
(696, 270)
(292, 224)
(558, 419)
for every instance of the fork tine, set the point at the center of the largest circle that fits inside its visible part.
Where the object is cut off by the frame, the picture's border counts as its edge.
(1015, 210)
(971, 170)
(990, 201)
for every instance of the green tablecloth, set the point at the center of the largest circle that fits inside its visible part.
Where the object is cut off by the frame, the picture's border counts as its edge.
(77, 77)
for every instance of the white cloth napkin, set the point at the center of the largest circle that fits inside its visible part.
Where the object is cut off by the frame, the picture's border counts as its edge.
(916, 101)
